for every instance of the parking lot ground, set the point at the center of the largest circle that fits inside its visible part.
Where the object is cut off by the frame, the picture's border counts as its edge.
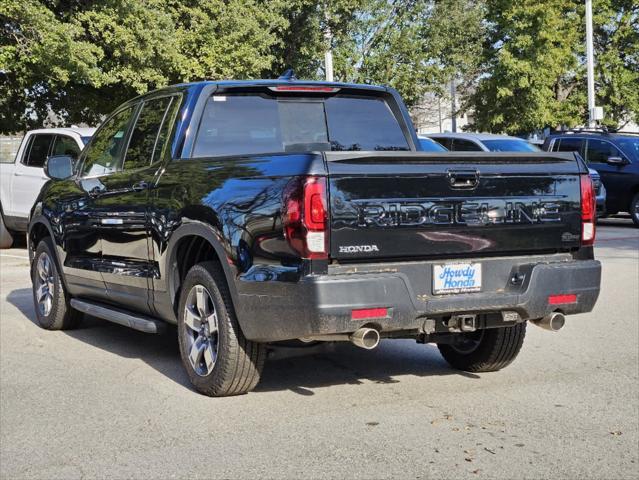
(104, 401)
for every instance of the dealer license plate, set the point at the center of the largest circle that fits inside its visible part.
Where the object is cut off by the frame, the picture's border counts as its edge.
(456, 278)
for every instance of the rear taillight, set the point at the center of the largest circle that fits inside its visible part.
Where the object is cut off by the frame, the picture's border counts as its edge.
(588, 211)
(305, 217)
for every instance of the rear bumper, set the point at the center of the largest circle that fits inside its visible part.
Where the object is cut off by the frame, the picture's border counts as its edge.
(279, 310)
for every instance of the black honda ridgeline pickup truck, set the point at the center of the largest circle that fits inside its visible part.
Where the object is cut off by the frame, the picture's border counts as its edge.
(252, 212)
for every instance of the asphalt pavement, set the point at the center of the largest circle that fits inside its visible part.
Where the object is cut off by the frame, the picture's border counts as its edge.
(105, 401)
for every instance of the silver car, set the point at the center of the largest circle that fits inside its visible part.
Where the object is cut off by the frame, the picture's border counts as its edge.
(489, 142)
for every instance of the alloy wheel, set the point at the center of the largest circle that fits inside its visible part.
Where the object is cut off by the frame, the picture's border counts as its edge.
(45, 284)
(201, 330)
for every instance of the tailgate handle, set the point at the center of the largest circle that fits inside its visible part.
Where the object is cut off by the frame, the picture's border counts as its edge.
(463, 178)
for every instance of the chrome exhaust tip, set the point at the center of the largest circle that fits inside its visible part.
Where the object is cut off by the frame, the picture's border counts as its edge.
(367, 338)
(554, 321)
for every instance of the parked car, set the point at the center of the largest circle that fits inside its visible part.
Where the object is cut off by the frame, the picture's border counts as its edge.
(22, 180)
(615, 156)
(482, 142)
(250, 212)
(487, 142)
(430, 145)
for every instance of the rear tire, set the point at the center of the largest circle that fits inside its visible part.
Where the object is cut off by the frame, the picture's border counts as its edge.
(218, 359)
(50, 298)
(6, 239)
(485, 350)
(634, 209)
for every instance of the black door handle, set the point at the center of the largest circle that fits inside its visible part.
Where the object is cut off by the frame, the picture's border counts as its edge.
(463, 178)
(141, 185)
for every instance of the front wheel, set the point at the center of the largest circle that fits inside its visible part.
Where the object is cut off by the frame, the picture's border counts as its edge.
(634, 209)
(484, 350)
(218, 359)
(50, 298)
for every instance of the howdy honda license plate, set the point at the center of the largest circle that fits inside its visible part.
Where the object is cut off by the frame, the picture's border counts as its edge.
(456, 278)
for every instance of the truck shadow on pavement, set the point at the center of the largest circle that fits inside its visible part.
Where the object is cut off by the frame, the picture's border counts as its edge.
(300, 370)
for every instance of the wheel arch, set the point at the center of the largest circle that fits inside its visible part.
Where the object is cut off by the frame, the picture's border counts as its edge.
(39, 228)
(195, 242)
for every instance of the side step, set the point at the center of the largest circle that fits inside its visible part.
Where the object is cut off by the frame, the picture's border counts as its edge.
(121, 317)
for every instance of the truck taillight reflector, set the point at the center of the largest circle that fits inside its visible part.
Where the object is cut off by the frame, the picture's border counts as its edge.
(305, 217)
(562, 299)
(588, 211)
(364, 313)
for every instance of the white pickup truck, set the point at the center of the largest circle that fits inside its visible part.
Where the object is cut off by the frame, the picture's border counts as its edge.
(21, 181)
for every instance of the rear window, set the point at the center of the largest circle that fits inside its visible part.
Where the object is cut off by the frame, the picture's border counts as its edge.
(251, 124)
(429, 145)
(507, 145)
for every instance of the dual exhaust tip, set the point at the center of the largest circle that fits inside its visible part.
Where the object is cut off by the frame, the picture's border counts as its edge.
(368, 338)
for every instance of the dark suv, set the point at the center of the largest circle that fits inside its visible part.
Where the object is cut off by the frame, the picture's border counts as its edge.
(615, 156)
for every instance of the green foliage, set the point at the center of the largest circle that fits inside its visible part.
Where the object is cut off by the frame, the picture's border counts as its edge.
(534, 64)
(531, 68)
(413, 46)
(79, 60)
(518, 63)
(616, 38)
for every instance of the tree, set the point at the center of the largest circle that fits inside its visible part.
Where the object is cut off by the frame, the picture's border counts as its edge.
(416, 46)
(531, 71)
(616, 42)
(534, 65)
(39, 55)
(72, 62)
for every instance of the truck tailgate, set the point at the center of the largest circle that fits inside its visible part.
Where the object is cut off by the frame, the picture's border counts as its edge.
(399, 204)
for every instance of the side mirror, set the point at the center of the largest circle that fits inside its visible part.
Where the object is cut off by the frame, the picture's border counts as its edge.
(59, 167)
(618, 161)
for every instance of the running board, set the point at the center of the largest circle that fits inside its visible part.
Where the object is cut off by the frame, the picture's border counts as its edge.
(121, 317)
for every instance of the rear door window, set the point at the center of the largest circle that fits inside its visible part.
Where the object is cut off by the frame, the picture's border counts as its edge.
(460, 145)
(569, 145)
(65, 145)
(38, 150)
(144, 137)
(445, 141)
(252, 124)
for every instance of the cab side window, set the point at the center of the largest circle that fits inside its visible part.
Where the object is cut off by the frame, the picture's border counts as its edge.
(460, 145)
(104, 153)
(38, 151)
(598, 151)
(146, 141)
(64, 145)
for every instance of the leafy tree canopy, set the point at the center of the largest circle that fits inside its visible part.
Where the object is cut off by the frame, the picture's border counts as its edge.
(519, 63)
(534, 64)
